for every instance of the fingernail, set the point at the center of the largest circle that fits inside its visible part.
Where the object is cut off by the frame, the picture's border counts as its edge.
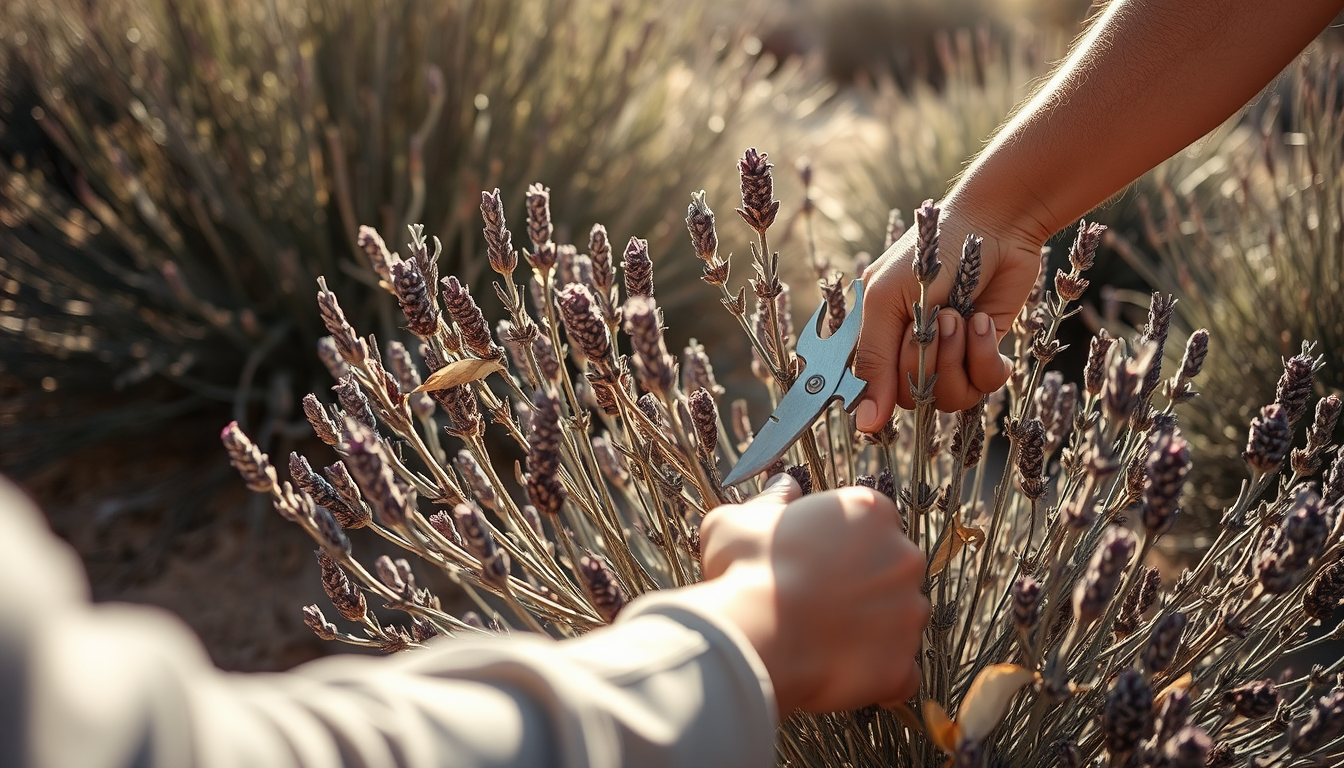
(981, 323)
(776, 483)
(947, 324)
(866, 415)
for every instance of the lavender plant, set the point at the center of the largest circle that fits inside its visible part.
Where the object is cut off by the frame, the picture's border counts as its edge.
(1054, 639)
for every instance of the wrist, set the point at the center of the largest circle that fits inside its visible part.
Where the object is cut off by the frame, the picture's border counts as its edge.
(999, 208)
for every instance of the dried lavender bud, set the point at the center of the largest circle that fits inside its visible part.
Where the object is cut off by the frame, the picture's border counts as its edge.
(1332, 489)
(443, 523)
(968, 277)
(459, 402)
(1196, 349)
(345, 595)
(1270, 435)
(968, 440)
(1127, 717)
(543, 441)
(1121, 394)
(1173, 714)
(1155, 332)
(477, 480)
(546, 358)
(604, 393)
(498, 240)
(895, 229)
(656, 369)
(926, 265)
(1325, 592)
(599, 252)
(322, 492)
(1098, 585)
(475, 532)
(1026, 602)
(1294, 388)
(546, 493)
(1067, 754)
(1030, 438)
(408, 378)
(700, 223)
(1304, 532)
(1094, 375)
(422, 316)
(1323, 426)
(380, 258)
(1168, 464)
(312, 616)
(1070, 286)
(1223, 755)
(610, 461)
(364, 458)
(886, 484)
(323, 426)
(345, 486)
(1189, 748)
(833, 292)
(390, 575)
(1150, 591)
(254, 466)
(355, 403)
(602, 586)
(584, 325)
(759, 207)
(509, 338)
(462, 307)
(638, 269)
(539, 229)
(741, 423)
(566, 271)
(1255, 700)
(352, 348)
(533, 520)
(705, 419)
(1164, 642)
(1084, 250)
(422, 630)
(331, 357)
(393, 639)
(696, 371)
(802, 475)
(1324, 724)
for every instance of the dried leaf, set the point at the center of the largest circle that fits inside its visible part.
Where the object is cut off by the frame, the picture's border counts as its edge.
(907, 718)
(942, 731)
(958, 537)
(459, 372)
(1182, 683)
(988, 698)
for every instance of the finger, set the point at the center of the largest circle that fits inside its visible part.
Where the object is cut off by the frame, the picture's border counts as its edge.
(905, 687)
(779, 491)
(876, 360)
(953, 388)
(909, 371)
(985, 367)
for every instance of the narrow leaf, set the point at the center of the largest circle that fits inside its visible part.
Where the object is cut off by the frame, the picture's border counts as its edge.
(458, 373)
(988, 698)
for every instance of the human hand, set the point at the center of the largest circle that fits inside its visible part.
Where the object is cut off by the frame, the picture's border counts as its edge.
(965, 351)
(826, 588)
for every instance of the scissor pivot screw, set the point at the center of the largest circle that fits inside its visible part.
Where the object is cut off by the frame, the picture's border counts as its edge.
(814, 383)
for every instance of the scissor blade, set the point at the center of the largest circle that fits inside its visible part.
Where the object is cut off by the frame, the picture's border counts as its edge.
(795, 413)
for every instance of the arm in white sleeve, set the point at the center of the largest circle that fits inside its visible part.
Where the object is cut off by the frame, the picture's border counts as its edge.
(108, 686)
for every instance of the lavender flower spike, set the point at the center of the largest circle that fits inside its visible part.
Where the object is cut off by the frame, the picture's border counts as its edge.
(1099, 584)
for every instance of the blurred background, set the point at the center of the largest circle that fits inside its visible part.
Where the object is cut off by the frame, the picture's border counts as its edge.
(175, 174)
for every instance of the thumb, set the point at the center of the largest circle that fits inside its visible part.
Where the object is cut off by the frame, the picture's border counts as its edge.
(778, 492)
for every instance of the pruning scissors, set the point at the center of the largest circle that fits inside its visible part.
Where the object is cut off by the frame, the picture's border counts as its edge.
(825, 377)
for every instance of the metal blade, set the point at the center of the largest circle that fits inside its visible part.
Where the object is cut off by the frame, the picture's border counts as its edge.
(795, 413)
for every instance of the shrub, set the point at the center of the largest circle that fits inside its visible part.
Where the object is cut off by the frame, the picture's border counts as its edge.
(1047, 612)
(175, 174)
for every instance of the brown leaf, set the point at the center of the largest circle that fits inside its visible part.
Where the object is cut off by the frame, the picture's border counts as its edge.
(459, 372)
(907, 718)
(942, 731)
(958, 537)
(988, 698)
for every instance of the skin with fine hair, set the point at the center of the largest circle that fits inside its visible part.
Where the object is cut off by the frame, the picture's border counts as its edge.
(827, 590)
(1148, 78)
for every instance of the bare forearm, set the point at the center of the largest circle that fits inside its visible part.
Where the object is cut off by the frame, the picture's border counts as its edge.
(1148, 79)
